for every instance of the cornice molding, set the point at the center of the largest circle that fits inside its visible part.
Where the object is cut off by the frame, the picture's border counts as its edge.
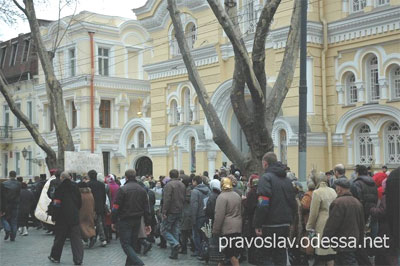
(367, 24)
(203, 56)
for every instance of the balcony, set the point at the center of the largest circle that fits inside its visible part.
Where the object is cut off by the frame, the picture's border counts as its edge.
(5, 134)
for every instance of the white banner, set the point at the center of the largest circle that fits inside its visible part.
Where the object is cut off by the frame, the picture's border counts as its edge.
(83, 162)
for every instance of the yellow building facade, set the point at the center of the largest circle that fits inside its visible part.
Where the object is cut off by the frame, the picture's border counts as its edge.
(155, 122)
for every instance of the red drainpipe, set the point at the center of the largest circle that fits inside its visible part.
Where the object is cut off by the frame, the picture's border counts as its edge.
(91, 92)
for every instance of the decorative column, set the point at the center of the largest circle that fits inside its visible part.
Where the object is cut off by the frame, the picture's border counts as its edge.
(116, 113)
(211, 155)
(377, 148)
(175, 151)
(361, 91)
(169, 115)
(339, 89)
(350, 155)
(180, 149)
(78, 114)
(140, 64)
(383, 87)
(126, 108)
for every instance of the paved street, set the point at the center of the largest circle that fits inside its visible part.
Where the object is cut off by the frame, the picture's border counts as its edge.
(33, 250)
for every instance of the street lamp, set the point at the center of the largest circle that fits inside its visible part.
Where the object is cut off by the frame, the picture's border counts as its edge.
(25, 153)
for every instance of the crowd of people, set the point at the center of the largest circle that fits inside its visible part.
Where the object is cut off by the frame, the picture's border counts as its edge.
(192, 213)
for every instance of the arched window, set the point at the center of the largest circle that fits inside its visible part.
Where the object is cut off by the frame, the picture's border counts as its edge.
(192, 155)
(351, 89)
(373, 77)
(174, 113)
(283, 146)
(141, 139)
(174, 47)
(394, 77)
(187, 112)
(393, 143)
(190, 34)
(357, 5)
(196, 115)
(365, 146)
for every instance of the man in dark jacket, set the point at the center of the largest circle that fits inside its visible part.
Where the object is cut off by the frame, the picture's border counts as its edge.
(99, 194)
(173, 200)
(365, 190)
(10, 191)
(197, 203)
(276, 207)
(346, 222)
(67, 202)
(393, 208)
(129, 207)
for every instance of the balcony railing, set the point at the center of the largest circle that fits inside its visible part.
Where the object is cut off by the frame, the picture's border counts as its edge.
(5, 133)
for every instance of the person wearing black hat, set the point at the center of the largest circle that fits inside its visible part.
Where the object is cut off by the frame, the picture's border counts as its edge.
(346, 221)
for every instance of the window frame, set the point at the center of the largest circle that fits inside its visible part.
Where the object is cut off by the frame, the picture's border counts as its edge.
(72, 62)
(386, 2)
(103, 111)
(101, 58)
(396, 144)
(17, 121)
(14, 52)
(29, 110)
(351, 88)
(25, 52)
(369, 145)
(3, 55)
(18, 162)
(361, 5)
(372, 71)
(394, 80)
(74, 115)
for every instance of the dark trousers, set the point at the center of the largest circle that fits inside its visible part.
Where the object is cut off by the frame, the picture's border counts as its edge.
(346, 259)
(61, 233)
(9, 222)
(100, 227)
(185, 236)
(128, 236)
(274, 256)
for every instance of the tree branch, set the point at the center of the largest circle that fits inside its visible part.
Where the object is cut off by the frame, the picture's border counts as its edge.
(40, 141)
(258, 54)
(240, 50)
(219, 134)
(20, 7)
(286, 72)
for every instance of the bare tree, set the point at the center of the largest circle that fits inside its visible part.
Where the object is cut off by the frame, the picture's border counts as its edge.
(53, 90)
(257, 122)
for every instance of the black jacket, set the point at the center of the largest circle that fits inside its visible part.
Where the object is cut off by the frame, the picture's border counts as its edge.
(211, 202)
(131, 202)
(99, 194)
(52, 187)
(279, 205)
(38, 189)
(392, 206)
(365, 190)
(67, 202)
(10, 191)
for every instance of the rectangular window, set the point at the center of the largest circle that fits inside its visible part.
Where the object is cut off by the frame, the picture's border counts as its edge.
(13, 54)
(5, 165)
(18, 122)
(26, 50)
(3, 56)
(105, 116)
(73, 115)
(103, 59)
(29, 110)
(382, 2)
(358, 5)
(17, 163)
(106, 162)
(29, 163)
(72, 61)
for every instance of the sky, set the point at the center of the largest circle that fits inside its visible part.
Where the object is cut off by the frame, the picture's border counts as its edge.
(49, 11)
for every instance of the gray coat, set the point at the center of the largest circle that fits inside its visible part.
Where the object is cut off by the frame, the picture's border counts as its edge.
(187, 218)
(228, 213)
(197, 196)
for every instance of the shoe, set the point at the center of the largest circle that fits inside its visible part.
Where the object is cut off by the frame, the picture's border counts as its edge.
(49, 232)
(7, 235)
(25, 231)
(147, 248)
(53, 259)
(20, 231)
(104, 243)
(77, 263)
(174, 252)
(201, 258)
(183, 251)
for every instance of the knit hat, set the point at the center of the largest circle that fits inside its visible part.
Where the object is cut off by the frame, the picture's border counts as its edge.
(215, 184)
(342, 182)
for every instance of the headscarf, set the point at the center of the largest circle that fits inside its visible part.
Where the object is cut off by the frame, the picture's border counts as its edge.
(226, 184)
(166, 180)
(215, 184)
(253, 180)
(100, 177)
(233, 180)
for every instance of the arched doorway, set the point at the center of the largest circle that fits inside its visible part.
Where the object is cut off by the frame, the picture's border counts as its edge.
(144, 166)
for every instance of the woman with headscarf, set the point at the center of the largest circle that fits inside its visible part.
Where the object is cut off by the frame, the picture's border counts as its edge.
(228, 219)
(322, 198)
(87, 214)
(113, 189)
(250, 204)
